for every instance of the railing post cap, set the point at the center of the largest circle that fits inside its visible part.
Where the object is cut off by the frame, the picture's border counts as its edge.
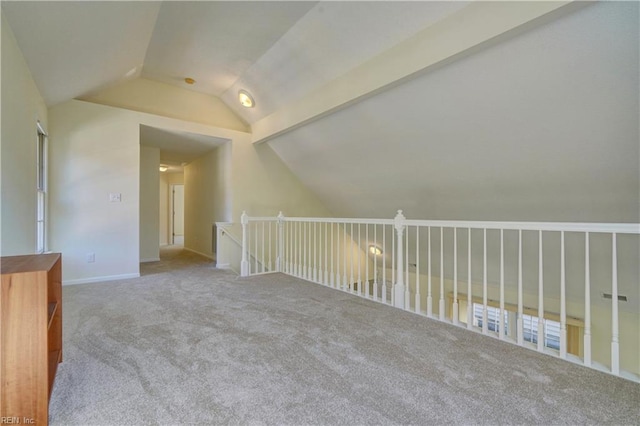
(280, 216)
(399, 220)
(244, 218)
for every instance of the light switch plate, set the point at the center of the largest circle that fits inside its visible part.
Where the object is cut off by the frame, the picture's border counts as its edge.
(115, 197)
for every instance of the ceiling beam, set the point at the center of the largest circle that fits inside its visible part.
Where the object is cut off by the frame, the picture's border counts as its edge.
(462, 33)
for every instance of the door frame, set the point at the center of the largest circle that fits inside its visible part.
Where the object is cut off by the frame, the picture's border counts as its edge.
(172, 210)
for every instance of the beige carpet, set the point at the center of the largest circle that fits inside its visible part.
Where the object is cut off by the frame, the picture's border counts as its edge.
(189, 344)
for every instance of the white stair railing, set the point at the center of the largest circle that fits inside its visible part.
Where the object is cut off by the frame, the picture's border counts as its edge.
(538, 273)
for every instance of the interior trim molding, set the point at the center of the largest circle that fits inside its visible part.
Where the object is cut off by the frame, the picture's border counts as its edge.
(100, 279)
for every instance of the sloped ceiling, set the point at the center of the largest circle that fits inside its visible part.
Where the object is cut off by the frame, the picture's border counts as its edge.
(278, 51)
(538, 124)
(73, 48)
(541, 127)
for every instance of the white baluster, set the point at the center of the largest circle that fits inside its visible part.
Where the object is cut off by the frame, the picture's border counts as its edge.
(469, 296)
(520, 324)
(289, 247)
(587, 302)
(393, 267)
(270, 242)
(327, 279)
(310, 254)
(563, 301)
(485, 328)
(255, 248)
(337, 279)
(317, 260)
(300, 249)
(290, 252)
(615, 345)
(501, 320)
(417, 302)
(384, 265)
(280, 243)
(541, 324)
(345, 284)
(407, 302)
(441, 304)
(351, 281)
(429, 296)
(375, 264)
(359, 263)
(244, 264)
(307, 252)
(455, 277)
(399, 287)
(315, 251)
(263, 238)
(366, 260)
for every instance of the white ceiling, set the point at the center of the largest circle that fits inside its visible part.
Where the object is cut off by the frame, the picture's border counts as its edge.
(178, 148)
(215, 42)
(73, 48)
(279, 51)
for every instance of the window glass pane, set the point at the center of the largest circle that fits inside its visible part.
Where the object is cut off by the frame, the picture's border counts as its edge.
(493, 318)
(40, 163)
(40, 212)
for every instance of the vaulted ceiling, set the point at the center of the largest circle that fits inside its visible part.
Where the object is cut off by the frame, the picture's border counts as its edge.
(278, 51)
(456, 110)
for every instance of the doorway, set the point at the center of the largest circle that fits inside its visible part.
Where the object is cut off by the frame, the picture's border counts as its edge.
(177, 214)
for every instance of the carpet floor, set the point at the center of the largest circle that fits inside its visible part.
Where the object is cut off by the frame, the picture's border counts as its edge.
(188, 344)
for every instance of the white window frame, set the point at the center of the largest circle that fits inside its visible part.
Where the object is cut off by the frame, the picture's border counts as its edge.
(41, 189)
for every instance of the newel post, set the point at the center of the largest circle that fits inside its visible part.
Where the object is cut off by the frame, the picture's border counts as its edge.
(280, 243)
(399, 287)
(244, 264)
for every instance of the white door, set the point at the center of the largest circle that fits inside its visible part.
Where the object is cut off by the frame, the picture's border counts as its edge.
(178, 214)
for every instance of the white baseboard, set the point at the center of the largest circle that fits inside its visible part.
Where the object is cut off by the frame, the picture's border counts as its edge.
(154, 259)
(100, 279)
(223, 266)
(208, 256)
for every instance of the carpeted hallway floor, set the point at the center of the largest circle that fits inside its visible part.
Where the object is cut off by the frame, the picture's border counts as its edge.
(189, 344)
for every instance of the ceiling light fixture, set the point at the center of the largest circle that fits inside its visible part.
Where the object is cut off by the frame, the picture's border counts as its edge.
(246, 100)
(375, 250)
(163, 168)
(189, 80)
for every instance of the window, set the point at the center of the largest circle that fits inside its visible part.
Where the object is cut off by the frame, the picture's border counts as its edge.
(551, 332)
(530, 324)
(41, 188)
(493, 318)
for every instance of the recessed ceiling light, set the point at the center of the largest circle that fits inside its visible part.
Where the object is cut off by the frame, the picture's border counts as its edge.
(246, 100)
(189, 80)
(163, 168)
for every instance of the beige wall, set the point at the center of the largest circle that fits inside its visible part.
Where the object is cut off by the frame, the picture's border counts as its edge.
(149, 204)
(22, 107)
(207, 187)
(170, 101)
(96, 151)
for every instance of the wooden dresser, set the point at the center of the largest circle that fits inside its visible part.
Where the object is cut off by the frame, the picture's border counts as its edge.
(30, 335)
